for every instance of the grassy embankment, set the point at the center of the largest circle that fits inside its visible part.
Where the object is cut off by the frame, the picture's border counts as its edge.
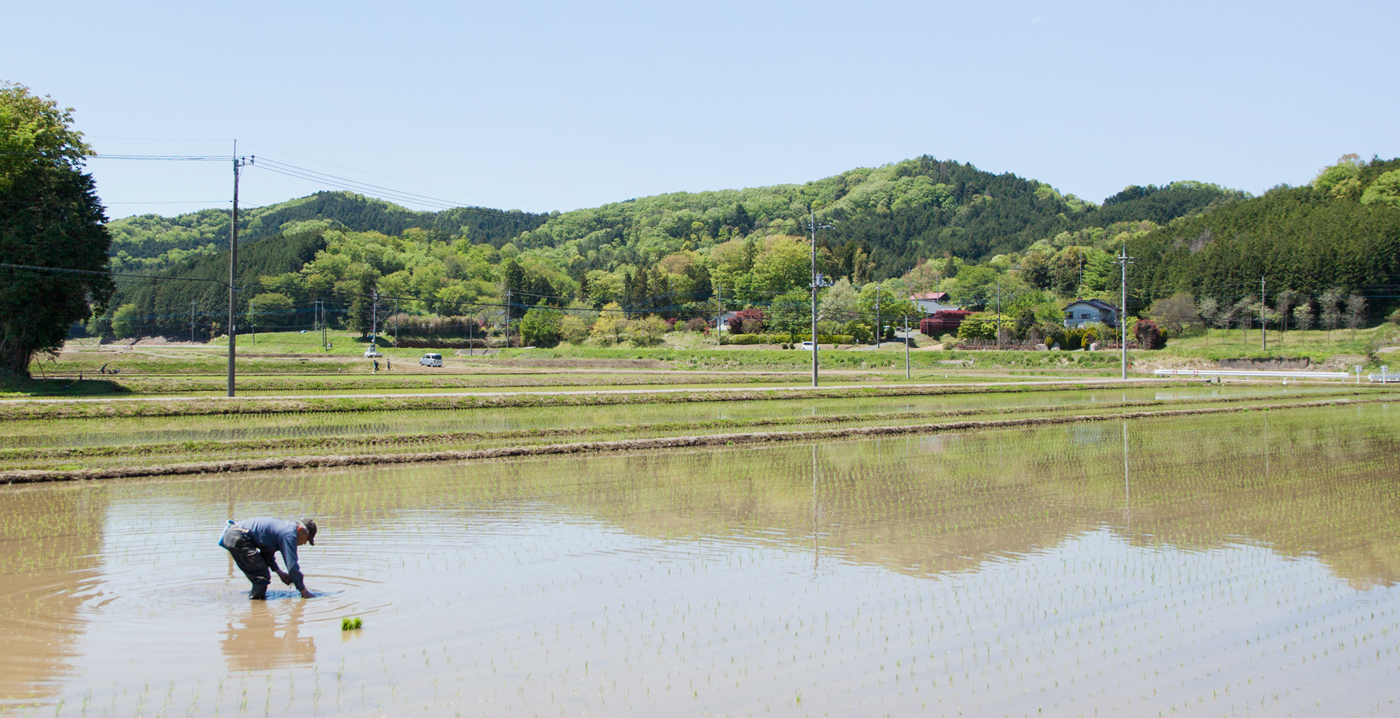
(288, 363)
(202, 406)
(1315, 344)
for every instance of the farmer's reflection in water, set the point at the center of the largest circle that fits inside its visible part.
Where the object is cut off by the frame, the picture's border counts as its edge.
(267, 636)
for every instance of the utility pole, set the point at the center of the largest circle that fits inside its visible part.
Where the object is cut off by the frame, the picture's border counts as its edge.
(719, 318)
(507, 316)
(1123, 261)
(191, 322)
(396, 321)
(319, 315)
(238, 163)
(998, 315)
(878, 328)
(1263, 308)
(817, 283)
(906, 347)
(374, 318)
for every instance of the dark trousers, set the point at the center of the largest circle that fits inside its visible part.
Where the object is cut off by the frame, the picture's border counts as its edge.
(251, 560)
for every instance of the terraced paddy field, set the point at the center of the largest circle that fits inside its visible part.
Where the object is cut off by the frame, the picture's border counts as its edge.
(319, 434)
(1240, 563)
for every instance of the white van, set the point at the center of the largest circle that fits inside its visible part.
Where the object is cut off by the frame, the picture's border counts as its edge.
(430, 360)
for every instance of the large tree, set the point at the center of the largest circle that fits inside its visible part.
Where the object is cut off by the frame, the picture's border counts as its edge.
(49, 217)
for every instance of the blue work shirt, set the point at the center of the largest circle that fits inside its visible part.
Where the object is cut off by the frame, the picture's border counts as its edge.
(270, 535)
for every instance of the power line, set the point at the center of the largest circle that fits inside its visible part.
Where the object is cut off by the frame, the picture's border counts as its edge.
(355, 186)
(397, 179)
(183, 201)
(152, 139)
(107, 273)
(163, 158)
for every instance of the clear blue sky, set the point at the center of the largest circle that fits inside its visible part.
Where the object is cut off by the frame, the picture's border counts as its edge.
(543, 106)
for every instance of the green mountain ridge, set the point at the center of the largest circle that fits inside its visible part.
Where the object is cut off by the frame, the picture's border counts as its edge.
(148, 242)
(915, 225)
(896, 214)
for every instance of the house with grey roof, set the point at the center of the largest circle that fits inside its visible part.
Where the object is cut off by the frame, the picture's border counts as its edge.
(1082, 312)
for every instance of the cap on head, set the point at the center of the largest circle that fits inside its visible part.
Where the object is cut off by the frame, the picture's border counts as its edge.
(310, 525)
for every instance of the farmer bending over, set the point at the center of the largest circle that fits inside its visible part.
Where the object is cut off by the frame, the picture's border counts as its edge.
(254, 544)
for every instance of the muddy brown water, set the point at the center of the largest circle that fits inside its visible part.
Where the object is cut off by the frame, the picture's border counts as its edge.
(1241, 564)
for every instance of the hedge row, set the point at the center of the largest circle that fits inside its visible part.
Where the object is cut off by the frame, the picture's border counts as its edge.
(747, 339)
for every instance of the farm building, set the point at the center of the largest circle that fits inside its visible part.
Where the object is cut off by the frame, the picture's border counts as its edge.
(932, 302)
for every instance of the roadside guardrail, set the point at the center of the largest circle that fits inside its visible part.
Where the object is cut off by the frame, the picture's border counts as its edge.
(1259, 373)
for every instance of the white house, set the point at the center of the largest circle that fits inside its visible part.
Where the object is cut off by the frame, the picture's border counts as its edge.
(1081, 312)
(723, 324)
(930, 302)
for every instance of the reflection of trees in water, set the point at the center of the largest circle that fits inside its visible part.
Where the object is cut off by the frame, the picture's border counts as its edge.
(923, 505)
(267, 634)
(917, 505)
(51, 538)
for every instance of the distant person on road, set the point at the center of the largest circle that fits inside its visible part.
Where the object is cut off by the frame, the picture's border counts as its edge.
(254, 544)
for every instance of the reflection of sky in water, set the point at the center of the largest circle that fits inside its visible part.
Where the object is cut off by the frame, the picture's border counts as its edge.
(556, 613)
(658, 589)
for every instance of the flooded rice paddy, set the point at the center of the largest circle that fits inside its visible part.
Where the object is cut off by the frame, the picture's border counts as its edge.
(1241, 564)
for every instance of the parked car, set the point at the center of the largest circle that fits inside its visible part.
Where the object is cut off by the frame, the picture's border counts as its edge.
(372, 353)
(807, 346)
(430, 360)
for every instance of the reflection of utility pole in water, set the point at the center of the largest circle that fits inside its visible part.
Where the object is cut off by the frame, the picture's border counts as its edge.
(1127, 503)
(1266, 445)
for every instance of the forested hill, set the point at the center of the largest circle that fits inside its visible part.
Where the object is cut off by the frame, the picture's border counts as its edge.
(665, 253)
(884, 219)
(149, 242)
(1340, 231)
